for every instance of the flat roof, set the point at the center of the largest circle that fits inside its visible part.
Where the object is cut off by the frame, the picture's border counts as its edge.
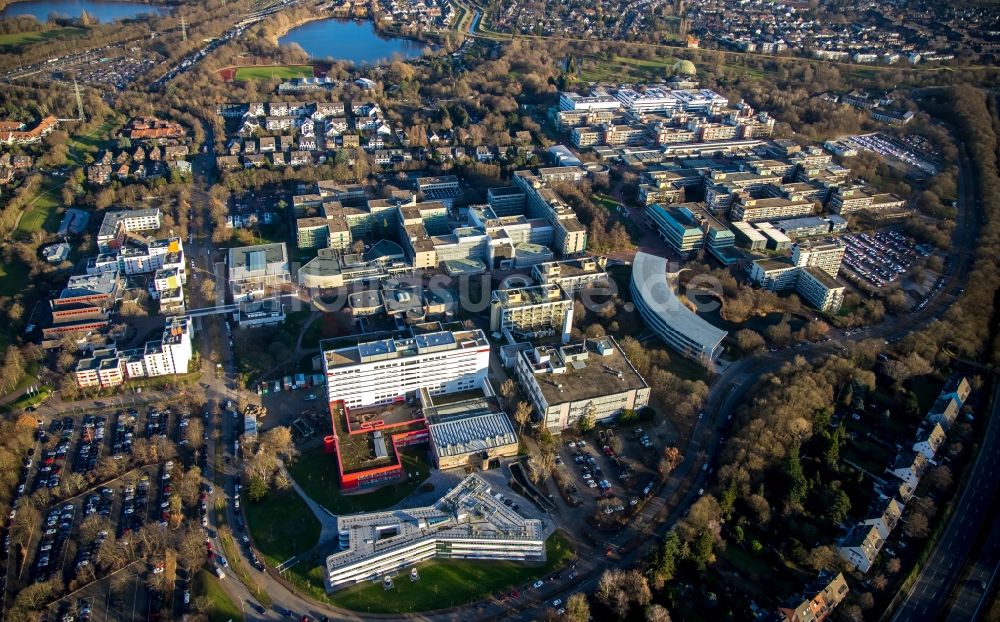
(650, 277)
(471, 434)
(587, 378)
(396, 347)
(517, 297)
(466, 512)
(257, 258)
(823, 277)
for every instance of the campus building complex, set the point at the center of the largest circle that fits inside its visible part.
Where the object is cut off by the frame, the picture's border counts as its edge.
(381, 391)
(589, 379)
(466, 523)
(679, 327)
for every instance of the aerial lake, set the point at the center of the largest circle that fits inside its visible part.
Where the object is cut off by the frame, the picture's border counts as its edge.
(350, 40)
(105, 11)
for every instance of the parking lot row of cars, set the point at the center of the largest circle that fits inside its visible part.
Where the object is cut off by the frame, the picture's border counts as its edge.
(882, 145)
(879, 258)
(90, 445)
(58, 527)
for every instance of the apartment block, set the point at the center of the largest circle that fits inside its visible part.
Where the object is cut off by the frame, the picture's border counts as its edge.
(827, 256)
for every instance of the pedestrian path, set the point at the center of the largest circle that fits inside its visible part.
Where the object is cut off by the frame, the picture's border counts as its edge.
(327, 520)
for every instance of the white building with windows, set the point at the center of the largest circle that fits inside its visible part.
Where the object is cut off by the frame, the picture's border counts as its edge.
(173, 352)
(679, 327)
(384, 371)
(466, 523)
(590, 379)
(532, 310)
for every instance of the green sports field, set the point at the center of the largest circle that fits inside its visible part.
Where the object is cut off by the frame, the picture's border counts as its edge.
(283, 72)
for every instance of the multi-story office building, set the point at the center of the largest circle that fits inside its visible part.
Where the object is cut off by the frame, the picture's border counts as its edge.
(469, 432)
(312, 232)
(570, 236)
(571, 274)
(747, 236)
(255, 269)
(590, 379)
(774, 275)
(598, 101)
(659, 99)
(467, 522)
(828, 256)
(849, 200)
(776, 240)
(617, 135)
(506, 201)
(749, 209)
(380, 372)
(532, 310)
(461, 244)
(584, 136)
(678, 226)
(444, 188)
(679, 327)
(667, 193)
(812, 282)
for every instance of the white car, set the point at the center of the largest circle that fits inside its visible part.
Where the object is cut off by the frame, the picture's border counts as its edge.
(557, 602)
(538, 584)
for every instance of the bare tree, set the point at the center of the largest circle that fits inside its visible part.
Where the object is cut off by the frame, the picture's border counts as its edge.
(522, 415)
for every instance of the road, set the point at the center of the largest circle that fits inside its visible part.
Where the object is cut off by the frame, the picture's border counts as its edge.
(929, 593)
(937, 578)
(973, 594)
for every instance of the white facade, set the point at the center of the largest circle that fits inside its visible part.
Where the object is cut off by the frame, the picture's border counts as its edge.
(382, 372)
(381, 543)
(172, 354)
(827, 257)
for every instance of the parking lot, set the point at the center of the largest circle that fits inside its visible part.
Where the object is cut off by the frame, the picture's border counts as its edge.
(609, 475)
(891, 148)
(880, 258)
(93, 499)
(118, 72)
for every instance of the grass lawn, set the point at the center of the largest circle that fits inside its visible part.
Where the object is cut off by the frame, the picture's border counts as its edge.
(451, 582)
(91, 142)
(42, 209)
(282, 526)
(284, 72)
(316, 473)
(220, 607)
(17, 40)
